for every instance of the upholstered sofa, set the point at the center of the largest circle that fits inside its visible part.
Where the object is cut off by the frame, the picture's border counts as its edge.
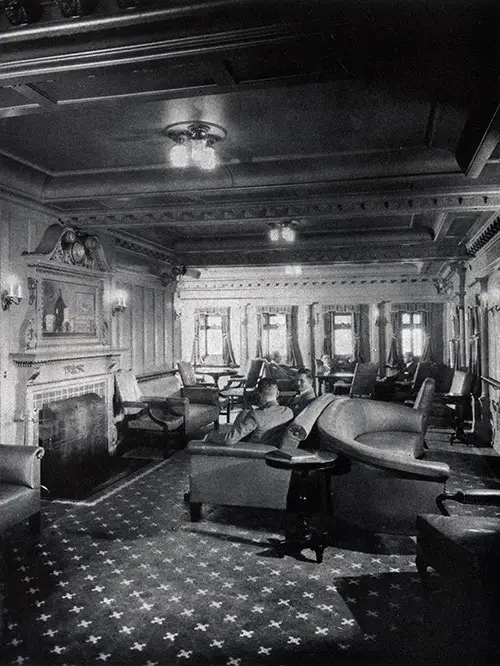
(238, 475)
(389, 482)
(20, 486)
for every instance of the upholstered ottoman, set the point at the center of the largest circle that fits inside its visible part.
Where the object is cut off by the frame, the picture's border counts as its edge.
(465, 551)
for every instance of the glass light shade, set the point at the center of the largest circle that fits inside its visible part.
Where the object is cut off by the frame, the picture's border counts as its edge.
(121, 298)
(179, 155)
(198, 147)
(274, 234)
(208, 159)
(288, 234)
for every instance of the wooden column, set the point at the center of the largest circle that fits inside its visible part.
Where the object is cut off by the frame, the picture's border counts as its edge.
(483, 429)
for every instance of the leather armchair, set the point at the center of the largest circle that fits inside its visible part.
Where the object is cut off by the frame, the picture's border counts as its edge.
(389, 483)
(20, 486)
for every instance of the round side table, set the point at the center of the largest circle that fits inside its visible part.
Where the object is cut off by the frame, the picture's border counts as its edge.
(304, 464)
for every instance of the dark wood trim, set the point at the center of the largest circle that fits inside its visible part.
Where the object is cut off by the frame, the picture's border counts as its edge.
(156, 374)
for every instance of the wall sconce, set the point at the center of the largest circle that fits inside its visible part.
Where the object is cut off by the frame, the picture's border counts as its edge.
(12, 295)
(120, 301)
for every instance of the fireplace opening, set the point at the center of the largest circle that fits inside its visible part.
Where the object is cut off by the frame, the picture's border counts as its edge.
(73, 433)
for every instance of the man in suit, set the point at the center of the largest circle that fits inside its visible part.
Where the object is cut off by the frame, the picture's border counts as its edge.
(306, 393)
(264, 424)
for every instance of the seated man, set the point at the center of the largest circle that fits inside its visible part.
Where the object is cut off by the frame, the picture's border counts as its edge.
(385, 388)
(264, 425)
(324, 365)
(306, 391)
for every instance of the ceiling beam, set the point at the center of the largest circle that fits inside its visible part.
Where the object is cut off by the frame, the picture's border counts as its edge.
(479, 138)
(440, 224)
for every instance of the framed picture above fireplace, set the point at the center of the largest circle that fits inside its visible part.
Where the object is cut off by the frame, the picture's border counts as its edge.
(69, 308)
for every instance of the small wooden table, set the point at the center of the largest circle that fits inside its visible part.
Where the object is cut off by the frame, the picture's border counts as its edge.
(305, 463)
(332, 378)
(216, 372)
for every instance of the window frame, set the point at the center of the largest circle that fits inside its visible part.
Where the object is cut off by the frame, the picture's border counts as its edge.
(412, 327)
(203, 339)
(338, 327)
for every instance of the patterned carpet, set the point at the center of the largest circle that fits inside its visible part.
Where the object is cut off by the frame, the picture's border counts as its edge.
(129, 580)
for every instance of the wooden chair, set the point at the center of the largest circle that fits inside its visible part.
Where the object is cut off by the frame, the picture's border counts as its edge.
(241, 390)
(423, 401)
(148, 415)
(408, 390)
(455, 402)
(188, 375)
(363, 381)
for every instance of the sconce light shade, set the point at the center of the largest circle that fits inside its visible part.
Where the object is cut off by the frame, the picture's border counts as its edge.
(13, 295)
(120, 301)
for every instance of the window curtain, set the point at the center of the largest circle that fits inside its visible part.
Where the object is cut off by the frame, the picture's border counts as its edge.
(195, 356)
(327, 341)
(227, 347)
(428, 355)
(431, 324)
(259, 351)
(356, 329)
(293, 353)
(395, 355)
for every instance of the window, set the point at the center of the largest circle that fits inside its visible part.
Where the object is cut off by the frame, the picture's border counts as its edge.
(274, 333)
(211, 338)
(342, 335)
(412, 333)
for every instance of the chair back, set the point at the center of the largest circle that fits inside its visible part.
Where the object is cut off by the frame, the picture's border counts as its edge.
(422, 371)
(425, 395)
(128, 386)
(186, 372)
(363, 381)
(255, 370)
(462, 383)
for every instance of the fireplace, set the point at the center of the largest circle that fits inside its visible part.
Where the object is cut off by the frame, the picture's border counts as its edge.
(73, 432)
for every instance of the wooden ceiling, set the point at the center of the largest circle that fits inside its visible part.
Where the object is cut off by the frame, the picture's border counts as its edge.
(372, 125)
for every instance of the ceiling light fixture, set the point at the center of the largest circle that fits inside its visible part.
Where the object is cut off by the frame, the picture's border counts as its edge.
(194, 144)
(283, 231)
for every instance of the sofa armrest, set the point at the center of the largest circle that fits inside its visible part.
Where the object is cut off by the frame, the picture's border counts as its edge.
(20, 465)
(239, 450)
(397, 462)
(204, 395)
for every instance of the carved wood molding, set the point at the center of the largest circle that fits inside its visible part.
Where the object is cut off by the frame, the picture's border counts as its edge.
(491, 231)
(238, 285)
(328, 207)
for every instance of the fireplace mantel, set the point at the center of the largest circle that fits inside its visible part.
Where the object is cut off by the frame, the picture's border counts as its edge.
(43, 357)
